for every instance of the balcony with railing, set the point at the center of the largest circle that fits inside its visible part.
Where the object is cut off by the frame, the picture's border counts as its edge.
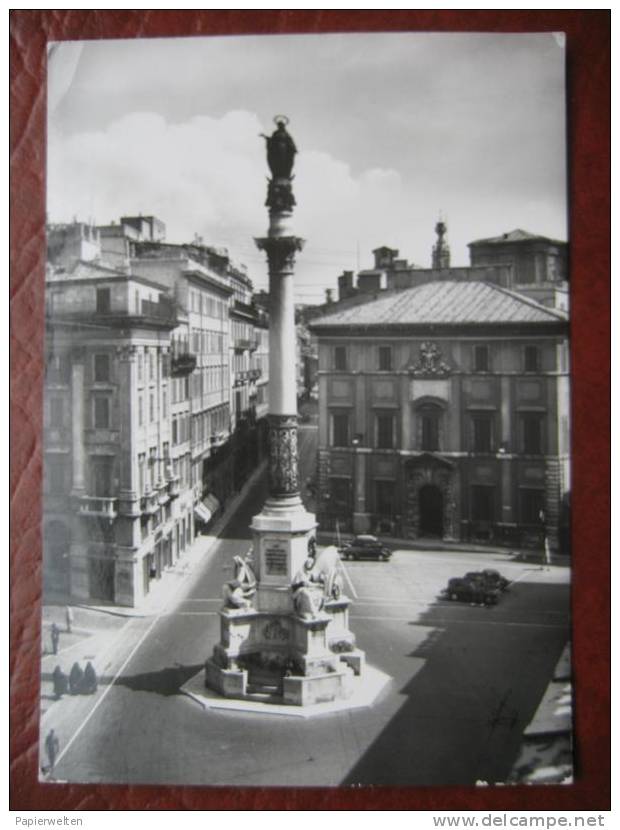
(182, 364)
(243, 344)
(149, 503)
(99, 506)
(163, 496)
(218, 439)
(174, 487)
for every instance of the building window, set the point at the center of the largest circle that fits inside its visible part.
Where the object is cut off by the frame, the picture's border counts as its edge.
(340, 429)
(532, 433)
(57, 415)
(531, 359)
(175, 431)
(481, 358)
(140, 411)
(103, 300)
(429, 427)
(141, 463)
(340, 358)
(55, 473)
(385, 431)
(151, 366)
(102, 412)
(102, 368)
(482, 432)
(384, 497)
(140, 367)
(482, 503)
(385, 358)
(101, 476)
(164, 403)
(152, 467)
(151, 407)
(58, 369)
(340, 497)
(531, 506)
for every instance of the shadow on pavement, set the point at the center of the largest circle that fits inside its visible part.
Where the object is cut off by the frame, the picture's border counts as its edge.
(166, 682)
(481, 674)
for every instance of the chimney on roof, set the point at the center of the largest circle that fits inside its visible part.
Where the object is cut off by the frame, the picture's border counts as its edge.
(345, 285)
(329, 296)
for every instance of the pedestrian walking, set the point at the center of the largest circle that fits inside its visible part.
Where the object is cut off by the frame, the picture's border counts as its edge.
(59, 679)
(52, 745)
(55, 635)
(89, 685)
(69, 618)
(76, 679)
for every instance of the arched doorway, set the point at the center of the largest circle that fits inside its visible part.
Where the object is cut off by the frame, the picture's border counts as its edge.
(431, 511)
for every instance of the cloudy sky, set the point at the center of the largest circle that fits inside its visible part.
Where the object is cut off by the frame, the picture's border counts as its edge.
(392, 129)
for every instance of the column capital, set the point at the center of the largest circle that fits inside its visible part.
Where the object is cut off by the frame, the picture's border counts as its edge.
(128, 352)
(280, 252)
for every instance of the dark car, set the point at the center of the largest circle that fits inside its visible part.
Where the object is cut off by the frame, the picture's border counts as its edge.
(462, 589)
(365, 547)
(490, 578)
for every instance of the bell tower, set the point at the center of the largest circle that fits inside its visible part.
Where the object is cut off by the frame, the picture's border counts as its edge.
(441, 249)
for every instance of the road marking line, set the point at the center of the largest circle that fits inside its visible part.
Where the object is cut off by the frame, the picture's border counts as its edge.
(191, 614)
(438, 622)
(348, 578)
(202, 599)
(107, 690)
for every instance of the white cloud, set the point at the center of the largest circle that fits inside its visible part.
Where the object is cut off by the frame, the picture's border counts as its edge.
(208, 175)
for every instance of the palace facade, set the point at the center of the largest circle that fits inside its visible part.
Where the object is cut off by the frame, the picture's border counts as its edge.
(444, 410)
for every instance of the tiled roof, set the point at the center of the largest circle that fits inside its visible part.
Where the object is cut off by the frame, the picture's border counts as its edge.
(518, 235)
(444, 303)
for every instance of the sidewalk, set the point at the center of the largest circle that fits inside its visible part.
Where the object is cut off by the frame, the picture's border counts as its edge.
(396, 543)
(96, 631)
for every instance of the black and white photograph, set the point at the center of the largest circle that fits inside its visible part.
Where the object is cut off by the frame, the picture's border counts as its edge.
(306, 428)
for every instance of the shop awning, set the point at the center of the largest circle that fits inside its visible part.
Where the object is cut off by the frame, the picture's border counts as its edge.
(206, 508)
(211, 503)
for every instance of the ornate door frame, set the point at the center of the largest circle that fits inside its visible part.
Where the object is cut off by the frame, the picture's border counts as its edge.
(431, 469)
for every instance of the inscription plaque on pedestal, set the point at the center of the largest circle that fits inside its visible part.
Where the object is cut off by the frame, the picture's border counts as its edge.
(275, 558)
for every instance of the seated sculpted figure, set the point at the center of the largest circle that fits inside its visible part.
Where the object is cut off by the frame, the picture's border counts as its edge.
(329, 572)
(245, 575)
(307, 591)
(234, 595)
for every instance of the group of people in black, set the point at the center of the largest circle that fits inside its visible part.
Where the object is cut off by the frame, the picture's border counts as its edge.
(79, 682)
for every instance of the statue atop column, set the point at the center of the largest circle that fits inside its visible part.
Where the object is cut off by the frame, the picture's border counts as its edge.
(281, 153)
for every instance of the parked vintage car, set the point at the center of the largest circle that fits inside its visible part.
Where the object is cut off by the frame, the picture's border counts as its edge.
(462, 589)
(490, 577)
(365, 547)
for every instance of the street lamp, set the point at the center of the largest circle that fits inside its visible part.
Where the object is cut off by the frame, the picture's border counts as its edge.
(358, 478)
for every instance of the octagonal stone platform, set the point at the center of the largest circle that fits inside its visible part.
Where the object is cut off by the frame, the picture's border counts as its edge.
(363, 691)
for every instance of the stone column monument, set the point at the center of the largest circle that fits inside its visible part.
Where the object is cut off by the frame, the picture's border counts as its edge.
(284, 626)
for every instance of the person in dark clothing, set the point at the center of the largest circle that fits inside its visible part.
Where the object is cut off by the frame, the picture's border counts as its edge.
(55, 636)
(76, 678)
(52, 745)
(59, 679)
(89, 683)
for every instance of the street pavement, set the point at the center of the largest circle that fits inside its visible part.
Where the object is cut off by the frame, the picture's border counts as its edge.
(466, 681)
